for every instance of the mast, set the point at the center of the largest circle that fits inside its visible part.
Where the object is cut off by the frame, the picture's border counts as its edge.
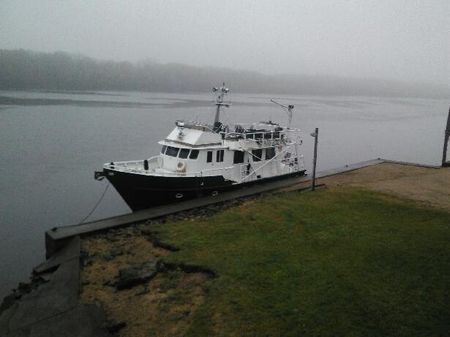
(222, 91)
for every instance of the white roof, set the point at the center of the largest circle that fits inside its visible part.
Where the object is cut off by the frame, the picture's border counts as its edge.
(193, 137)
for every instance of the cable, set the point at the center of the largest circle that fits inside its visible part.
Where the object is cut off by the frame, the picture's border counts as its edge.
(96, 205)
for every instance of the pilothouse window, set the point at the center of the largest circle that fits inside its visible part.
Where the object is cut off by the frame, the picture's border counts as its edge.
(257, 154)
(172, 151)
(163, 149)
(238, 157)
(219, 156)
(270, 153)
(209, 157)
(194, 154)
(184, 153)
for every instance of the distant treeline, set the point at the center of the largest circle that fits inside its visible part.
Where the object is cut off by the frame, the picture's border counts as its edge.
(28, 70)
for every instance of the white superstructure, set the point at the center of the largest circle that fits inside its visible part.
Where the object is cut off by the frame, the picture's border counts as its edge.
(214, 156)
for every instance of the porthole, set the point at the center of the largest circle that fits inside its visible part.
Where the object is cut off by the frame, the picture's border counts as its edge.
(214, 193)
(179, 195)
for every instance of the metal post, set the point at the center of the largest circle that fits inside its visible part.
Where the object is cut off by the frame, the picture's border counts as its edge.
(316, 137)
(446, 137)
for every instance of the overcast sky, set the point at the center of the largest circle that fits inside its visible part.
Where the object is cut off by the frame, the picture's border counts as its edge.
(396, 39)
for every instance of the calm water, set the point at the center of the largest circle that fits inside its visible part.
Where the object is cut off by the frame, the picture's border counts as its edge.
(51, 144)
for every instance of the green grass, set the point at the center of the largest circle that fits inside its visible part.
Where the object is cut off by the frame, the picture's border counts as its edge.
(331, 263)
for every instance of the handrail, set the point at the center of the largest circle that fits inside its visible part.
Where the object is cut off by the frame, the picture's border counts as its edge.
(259, 132)
(197, 173)
(126, 164)
(131, 162)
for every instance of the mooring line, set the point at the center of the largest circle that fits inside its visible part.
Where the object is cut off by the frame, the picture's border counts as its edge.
(96, 205)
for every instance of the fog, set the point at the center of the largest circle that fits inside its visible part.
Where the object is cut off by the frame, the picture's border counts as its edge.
(402, 40)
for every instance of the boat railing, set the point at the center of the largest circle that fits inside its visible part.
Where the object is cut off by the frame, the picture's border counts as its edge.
(124, 164)
(256, 135)
(138, 166)
(208, 172)
(202, 173)
(260, 136)
(132, 165)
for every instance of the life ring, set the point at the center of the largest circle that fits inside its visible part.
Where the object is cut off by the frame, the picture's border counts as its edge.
(181, 166)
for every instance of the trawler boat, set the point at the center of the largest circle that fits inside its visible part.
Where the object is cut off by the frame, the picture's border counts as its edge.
(198, 159)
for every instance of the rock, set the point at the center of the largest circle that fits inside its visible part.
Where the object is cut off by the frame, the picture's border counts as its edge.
(115, 327)
(24, 287)
(8, 301)
(132, 276)
(143, 291)
(110, 283)
(44, 277)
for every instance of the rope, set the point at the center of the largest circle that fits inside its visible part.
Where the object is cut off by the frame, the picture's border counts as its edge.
(96, 205)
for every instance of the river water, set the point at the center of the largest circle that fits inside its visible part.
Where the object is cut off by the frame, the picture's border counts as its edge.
(52, 142)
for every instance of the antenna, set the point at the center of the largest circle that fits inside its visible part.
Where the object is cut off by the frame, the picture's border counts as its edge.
(223, 90)
(288, 109)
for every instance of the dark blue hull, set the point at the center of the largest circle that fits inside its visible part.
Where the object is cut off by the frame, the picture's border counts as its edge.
(144, 191)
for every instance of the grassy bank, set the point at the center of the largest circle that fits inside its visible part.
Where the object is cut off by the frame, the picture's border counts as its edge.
(341, 262)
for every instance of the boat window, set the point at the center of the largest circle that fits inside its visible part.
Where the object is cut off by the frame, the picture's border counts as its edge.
(194, 154)
(257, 154)
(183, 153)
(163, 149)
(238, 157)
(270, 153)
(209, 157)
(172, 151)
(219, 156)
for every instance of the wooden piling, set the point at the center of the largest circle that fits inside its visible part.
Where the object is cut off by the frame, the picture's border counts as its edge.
(445, 163)
(316, 137)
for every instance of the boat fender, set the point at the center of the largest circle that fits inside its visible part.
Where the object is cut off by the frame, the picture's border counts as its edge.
(99, 175)
(181, 166)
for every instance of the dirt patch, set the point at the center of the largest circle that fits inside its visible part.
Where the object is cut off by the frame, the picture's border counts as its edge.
(430, 186)
(162, 306)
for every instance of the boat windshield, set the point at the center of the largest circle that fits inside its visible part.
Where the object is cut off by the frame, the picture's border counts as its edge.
(194, 154)
(172, 151)
(184, 153)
